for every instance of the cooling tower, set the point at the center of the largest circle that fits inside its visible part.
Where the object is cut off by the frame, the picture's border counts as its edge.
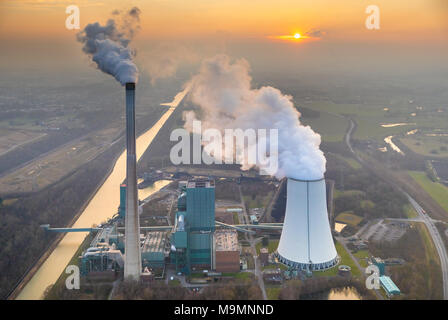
(132, 266)
(306, 241)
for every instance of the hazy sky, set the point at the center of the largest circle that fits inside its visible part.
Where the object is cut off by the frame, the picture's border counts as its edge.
(413, 32)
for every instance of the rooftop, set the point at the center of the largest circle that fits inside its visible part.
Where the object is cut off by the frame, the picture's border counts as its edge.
(226, 240)
(389, 285)
(201, 183)
(154, 242)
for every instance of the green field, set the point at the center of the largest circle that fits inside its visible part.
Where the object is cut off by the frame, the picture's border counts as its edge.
(436, 190)
(236, 220)
(273, 244)
(410, 211)
(432, 257)
(348, 218)
(239, 275)
(350, 161)
(258, 202)
(348, 193)
(427, 146)
(275, 266)
(362, 256)
(174, 283)
(331, 127)
(345, 260)
(273, 292)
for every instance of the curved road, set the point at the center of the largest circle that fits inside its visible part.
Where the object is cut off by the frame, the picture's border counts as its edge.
(258, 272)
(428, 221)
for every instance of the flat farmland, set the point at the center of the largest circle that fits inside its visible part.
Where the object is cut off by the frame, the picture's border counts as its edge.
(441, 168)
(438, 191)
(11, 139)
(58, 163)
(331, 127)
(431, 146)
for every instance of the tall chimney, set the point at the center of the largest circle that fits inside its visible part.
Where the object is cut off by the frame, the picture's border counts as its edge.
(133, 265)
(306, 241)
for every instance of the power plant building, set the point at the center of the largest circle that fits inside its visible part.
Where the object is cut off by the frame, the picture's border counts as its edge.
(154, 249)
(306, 242)
(227, 251)
(192, 240)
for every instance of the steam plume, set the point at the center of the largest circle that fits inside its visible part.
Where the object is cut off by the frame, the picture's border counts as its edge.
(108, 45)
(223, 92)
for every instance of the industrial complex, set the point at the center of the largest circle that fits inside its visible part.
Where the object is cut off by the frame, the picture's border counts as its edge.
(194, 242)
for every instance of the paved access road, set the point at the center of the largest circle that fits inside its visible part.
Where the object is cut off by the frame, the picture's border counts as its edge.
(428, 221)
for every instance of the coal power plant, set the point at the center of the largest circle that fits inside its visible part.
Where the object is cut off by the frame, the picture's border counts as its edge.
(306, 242)
(132, 266)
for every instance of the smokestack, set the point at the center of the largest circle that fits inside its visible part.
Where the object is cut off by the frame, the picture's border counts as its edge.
(133, 265)
(306, 241)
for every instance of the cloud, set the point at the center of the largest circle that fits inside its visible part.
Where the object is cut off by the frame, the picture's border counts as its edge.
(223, 91)
(315, 33)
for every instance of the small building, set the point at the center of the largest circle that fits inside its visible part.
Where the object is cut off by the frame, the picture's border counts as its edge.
(253, 219)
(147, 276)
(344, 270)
(380, 264)
(227, 251)
(264, 256)
(389, 286)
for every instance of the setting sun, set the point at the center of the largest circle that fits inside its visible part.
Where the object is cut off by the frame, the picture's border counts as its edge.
(297, 36)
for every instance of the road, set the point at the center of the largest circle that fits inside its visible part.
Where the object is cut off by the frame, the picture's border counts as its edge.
(428, 221)
(437, 239)
(342, 241)
(251, 240)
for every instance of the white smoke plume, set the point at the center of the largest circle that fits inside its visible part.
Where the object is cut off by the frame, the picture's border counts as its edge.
(108, 45)
(164, 60)
(223, 92)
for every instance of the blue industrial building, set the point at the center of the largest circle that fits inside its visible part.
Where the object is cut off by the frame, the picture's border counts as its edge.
(192, 239)
(386, 282)
(389, 286)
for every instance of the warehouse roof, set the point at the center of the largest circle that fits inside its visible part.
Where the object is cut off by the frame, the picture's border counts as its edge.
(226, 240)
(154, 242)
(389, 285)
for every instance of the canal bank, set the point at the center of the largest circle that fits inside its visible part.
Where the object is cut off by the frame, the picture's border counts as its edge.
(102, 206)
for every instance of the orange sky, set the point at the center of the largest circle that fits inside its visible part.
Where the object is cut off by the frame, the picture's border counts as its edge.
(401, 20)
(413, 33)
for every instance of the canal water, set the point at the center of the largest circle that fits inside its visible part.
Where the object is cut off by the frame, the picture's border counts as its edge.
(347, 293)
(101, 207)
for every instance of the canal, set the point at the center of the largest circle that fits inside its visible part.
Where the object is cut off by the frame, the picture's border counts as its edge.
(102, 206)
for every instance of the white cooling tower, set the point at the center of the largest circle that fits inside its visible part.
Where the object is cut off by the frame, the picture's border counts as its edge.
(306, 241)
